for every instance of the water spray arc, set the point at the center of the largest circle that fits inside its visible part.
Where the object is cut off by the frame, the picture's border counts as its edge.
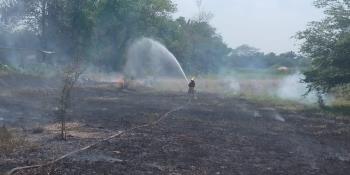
(147, 58)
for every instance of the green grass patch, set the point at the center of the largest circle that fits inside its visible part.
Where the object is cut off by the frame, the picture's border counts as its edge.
(340, 110)
(275, 101)
(338, 107)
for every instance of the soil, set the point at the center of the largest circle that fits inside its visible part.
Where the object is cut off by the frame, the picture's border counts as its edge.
(212, 134)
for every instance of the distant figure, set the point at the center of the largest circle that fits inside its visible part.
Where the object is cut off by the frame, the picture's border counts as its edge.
(191, 86)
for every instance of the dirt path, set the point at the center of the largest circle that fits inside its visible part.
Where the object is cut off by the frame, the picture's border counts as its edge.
(212, 135)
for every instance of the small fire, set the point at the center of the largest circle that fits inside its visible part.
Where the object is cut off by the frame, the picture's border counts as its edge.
(120, 82)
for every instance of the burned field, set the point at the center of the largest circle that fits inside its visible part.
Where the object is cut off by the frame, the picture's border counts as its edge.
(213, 134)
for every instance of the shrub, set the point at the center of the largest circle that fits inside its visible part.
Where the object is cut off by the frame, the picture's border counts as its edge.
(38, 130)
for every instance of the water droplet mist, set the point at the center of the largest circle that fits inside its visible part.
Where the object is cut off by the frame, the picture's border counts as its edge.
(152, 62)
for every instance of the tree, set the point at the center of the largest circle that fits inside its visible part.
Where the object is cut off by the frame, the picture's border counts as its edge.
(327, 43)
(202, 16)
(70, 77)
(246, 50)
(101, 31)
(118, 23)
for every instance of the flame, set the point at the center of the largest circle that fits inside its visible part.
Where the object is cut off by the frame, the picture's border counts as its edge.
(120, 82)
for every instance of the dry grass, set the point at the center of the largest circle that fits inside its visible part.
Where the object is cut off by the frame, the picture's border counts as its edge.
(151, 117)
(258, 88)
(77, 130)
(9, 142)
(341, 102)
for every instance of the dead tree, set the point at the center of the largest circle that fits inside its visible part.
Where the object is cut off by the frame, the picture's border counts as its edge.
(70, 77)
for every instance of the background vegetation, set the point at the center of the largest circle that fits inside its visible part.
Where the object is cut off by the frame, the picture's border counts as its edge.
(99, 32)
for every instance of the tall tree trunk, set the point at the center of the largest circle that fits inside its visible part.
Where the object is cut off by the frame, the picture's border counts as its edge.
(43, 26)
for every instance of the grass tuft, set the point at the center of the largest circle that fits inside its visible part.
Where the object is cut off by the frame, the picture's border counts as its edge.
(9, 142)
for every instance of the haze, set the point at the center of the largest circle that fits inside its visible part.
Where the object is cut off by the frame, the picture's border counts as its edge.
(264, 24)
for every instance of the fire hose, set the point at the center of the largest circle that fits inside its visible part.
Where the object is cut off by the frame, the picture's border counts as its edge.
(120, 133)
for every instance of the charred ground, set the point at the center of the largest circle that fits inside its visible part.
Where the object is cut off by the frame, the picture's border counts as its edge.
(213, 134)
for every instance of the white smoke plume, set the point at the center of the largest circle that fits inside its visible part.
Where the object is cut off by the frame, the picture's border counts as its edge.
(291, 88)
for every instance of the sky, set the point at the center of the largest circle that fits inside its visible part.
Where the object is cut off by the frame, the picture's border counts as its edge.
(264, 24)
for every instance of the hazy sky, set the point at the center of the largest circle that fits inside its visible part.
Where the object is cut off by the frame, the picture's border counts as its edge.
(265, 24)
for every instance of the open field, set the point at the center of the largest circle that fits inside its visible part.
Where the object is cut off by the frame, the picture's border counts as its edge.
(212, 134)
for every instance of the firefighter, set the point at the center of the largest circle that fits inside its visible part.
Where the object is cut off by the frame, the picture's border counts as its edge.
(191, 86)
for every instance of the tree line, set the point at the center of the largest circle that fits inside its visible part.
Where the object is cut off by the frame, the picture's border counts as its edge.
(248, 57)
(327, 44)
(101, 31)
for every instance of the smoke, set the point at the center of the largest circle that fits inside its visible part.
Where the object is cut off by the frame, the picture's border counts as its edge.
(94, 74)
(286, 87)
(291, 88)
(232, 84)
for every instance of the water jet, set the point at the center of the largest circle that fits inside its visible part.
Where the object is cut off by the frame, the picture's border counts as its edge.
(151, 62)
